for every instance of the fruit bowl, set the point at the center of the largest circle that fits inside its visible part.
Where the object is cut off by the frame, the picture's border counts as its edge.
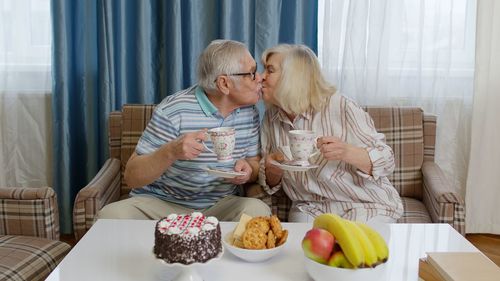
(250, 255)
(355, 245)
(321, 272)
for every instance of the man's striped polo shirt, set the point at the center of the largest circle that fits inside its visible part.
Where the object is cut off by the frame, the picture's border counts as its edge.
(185, 182)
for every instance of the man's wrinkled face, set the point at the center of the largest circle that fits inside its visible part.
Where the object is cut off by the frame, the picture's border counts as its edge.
(247, 87)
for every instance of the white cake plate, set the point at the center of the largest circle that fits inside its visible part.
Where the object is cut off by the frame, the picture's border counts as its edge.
(189, 272)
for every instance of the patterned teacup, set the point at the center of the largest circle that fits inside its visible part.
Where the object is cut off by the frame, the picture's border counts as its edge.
(302, 146)
(223, 139)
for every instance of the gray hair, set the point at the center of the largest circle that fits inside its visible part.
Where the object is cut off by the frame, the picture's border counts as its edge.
(219, 57)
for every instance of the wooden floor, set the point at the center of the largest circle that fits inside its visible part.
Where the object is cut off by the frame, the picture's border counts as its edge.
(487, 243)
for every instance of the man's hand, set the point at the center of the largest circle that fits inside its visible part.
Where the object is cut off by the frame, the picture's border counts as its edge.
(144, 169)
(187, 146)
(241, 165)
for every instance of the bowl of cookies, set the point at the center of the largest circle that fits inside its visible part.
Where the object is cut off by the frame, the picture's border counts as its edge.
(256, 239)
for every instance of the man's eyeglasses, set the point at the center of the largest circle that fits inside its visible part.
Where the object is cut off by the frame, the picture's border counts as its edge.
(252, 74)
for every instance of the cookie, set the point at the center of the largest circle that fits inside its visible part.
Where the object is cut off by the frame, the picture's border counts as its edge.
(276, 226)
(254, 238)
(283, 238)
(261, 223)
(271, 240)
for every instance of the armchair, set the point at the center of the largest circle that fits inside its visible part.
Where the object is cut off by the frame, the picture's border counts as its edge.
(426, 194)
(29, 233)
(124, 130)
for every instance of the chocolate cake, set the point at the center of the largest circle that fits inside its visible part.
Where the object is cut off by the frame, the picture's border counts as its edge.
(187, 239)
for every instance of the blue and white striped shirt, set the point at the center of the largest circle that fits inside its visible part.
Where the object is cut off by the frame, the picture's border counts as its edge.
(185, 182)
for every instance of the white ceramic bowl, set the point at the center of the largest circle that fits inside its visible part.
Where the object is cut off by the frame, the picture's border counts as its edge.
(321, 272)
(250, 255)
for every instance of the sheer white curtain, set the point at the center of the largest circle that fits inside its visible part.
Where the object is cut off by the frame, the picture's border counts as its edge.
(25, 86)
(483, 181)
(407, 52)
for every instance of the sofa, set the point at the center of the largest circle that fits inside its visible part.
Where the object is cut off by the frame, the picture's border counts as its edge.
(427, 195)
(29, 233)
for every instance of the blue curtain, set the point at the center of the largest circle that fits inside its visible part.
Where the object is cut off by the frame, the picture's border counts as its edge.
(107, 53)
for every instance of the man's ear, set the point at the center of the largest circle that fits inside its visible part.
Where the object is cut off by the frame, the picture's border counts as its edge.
(224, 84)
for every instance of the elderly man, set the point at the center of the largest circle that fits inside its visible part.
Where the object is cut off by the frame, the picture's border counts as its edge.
(166, 171)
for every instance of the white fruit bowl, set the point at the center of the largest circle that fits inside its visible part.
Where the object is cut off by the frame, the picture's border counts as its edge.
(250, 255)
(321, 272)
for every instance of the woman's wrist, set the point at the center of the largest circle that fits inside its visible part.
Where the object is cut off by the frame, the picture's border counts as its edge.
(359, 158)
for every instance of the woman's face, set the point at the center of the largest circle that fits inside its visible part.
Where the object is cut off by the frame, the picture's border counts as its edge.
(271, 77)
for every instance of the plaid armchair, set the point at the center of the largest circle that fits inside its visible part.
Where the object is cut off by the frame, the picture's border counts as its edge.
(29, 233)
(124, 130)
(427, 195)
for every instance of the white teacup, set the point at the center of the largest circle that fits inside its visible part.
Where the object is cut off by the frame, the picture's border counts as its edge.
(302, 146)
(223, 140)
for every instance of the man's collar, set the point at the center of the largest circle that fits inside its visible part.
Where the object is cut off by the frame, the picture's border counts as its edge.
(206, 105)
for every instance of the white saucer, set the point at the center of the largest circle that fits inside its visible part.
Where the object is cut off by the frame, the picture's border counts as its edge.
(293, 168)
(223, 173)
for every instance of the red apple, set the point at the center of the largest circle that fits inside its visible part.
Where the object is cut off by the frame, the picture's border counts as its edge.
(318, 245)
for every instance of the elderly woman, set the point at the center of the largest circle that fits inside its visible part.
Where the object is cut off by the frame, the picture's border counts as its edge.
(349, 177)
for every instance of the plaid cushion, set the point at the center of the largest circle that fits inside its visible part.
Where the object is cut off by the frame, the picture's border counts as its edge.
(135, 118)
(29, 258)
(29, 211)
(415, 211)
(403, 129)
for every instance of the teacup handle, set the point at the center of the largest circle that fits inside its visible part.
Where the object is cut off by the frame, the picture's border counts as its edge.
(317, 151)
(202, 142)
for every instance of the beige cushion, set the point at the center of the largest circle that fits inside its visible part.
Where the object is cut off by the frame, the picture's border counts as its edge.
(415, 211)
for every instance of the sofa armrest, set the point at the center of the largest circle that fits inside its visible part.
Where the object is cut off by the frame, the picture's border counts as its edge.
(444, 204)
(29, 212)
(102, 190)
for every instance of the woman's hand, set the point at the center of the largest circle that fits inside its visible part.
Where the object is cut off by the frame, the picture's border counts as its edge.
(333, 148)
(273, 173)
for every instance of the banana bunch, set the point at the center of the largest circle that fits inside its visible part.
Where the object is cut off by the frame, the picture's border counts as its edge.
(361, 245)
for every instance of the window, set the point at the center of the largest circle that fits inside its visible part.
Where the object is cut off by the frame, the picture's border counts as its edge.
(25, 46)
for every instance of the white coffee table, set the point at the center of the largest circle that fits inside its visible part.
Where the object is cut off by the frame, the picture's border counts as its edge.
(122, 250)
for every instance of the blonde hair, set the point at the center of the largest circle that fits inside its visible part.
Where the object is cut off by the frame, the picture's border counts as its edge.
(301, 86)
